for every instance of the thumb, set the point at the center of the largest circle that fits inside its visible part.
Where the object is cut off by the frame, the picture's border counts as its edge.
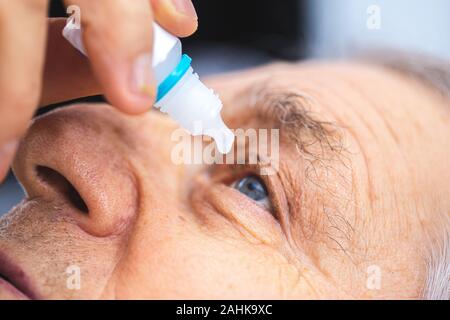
(7, 152)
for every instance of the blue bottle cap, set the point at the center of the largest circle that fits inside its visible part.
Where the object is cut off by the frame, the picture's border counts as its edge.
(171, 80)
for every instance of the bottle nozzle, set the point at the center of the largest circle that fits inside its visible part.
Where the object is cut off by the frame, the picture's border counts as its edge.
(197, 109)
(223, 137)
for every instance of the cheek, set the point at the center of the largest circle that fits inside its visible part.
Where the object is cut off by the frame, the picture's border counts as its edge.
(178, 259)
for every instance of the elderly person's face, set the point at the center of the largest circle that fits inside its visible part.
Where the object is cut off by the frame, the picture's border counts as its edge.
(362, 184)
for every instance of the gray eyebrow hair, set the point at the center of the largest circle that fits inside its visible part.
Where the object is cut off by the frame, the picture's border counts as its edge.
(291, 112)
(321, 147)
(432, 71)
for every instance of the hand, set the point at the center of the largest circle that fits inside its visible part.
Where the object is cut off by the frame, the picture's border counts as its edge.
(39, 67)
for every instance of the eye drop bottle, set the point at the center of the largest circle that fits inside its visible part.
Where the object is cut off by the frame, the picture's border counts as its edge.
(180, 92)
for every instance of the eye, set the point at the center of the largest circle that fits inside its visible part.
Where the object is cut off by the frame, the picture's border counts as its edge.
(254, 188)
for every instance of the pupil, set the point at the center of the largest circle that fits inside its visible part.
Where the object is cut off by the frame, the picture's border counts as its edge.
(253, 188)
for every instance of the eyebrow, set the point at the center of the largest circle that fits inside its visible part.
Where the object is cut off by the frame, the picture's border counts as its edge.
(291, 112)
(321, 149)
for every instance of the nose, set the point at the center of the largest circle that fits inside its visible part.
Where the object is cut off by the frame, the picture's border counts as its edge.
(74, 158)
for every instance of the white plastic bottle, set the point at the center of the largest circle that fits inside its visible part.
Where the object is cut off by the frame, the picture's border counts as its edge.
(180, 92)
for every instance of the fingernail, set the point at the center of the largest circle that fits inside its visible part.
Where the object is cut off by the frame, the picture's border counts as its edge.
(185, 7)
(143, 81)
(6, 155)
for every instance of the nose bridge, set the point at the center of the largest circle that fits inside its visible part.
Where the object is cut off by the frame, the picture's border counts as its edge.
(163, 182)
(157, 146)
(72, 157)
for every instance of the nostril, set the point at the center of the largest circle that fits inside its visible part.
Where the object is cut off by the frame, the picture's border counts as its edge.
(60, 184)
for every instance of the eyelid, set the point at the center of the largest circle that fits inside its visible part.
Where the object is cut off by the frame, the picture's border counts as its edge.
(234, 172)
(243, 213)
(236, 208)
(266, 203)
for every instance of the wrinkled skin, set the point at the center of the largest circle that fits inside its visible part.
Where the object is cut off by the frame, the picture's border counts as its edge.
(159, 230)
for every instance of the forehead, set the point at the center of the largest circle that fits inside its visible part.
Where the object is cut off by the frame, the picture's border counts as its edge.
(382, 110)
(350, 83)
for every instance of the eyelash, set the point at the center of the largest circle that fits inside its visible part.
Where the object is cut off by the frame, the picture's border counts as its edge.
(234, 172)
(264, 202)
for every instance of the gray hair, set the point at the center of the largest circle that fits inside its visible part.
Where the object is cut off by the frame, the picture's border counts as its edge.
(433, 71)
(437, 282)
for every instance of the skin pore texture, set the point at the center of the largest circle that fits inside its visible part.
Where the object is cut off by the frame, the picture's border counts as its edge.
(362, 185)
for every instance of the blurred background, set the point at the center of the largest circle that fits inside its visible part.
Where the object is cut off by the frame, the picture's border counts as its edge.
(237, 34)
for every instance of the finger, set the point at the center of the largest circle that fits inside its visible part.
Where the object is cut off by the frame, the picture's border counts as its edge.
(176, 16)
(118, 39)
(22, 44)
(7, 152)
(67, 72)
